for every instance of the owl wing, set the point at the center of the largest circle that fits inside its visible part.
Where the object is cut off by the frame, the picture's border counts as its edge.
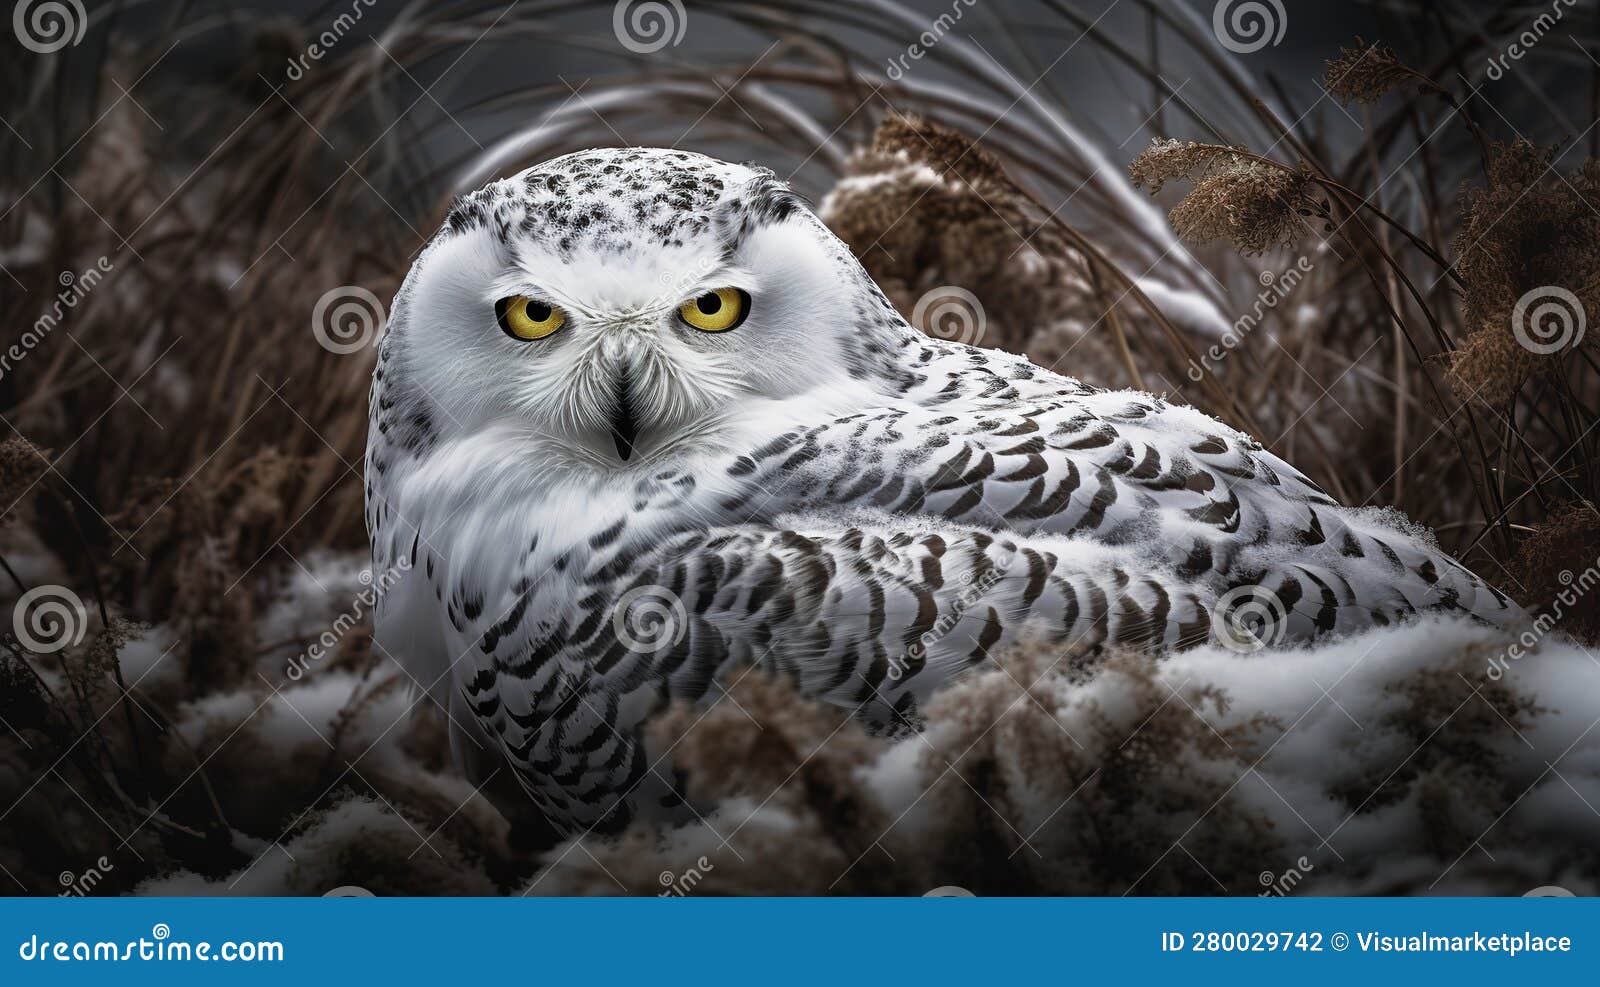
(987, 440)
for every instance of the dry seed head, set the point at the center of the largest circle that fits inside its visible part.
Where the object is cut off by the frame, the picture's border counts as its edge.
(923, 207)
(1252, 204)
(21, 465)
(1525, 230)
(1366, 73)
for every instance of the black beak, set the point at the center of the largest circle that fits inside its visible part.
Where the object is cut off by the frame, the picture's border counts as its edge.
(624, 428)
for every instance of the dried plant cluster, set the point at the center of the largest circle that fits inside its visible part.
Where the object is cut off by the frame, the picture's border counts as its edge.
(183, 455)
(1528, 227)
(1256, 205)
(924, 210)
(1365, 73)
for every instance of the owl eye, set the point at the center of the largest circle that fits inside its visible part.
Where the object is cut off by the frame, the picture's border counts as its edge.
(525, 318)
(716, 311)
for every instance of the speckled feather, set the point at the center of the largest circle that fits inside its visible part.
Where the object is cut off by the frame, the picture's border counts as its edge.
(873, 520)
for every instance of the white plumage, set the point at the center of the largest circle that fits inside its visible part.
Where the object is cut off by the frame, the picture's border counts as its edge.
(600, 518)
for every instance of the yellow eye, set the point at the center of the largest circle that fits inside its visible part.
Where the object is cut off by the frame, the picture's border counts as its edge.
(525, 318)
(716, 311)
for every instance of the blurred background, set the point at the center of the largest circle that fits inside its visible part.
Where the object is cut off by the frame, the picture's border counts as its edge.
(1374, 248)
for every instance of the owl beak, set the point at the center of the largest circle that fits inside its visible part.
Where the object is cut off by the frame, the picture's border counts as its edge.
(624, 427)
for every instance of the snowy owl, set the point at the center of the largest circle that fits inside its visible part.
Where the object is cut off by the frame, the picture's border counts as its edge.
(639, 418)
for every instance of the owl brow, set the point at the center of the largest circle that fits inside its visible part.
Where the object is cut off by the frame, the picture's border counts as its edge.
(517, 280)
(690, 285)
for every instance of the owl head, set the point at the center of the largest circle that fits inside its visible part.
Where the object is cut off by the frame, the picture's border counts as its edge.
(612, 307)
